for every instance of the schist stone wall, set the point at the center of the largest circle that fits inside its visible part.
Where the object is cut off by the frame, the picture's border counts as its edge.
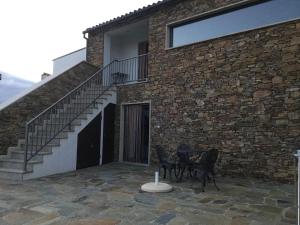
(95, 44)
(239, 94)
(13, 118)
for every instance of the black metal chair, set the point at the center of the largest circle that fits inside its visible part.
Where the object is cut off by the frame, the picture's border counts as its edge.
(212, 159)
(165, 163)
(205, 167)
(183, 153)
(200, 170)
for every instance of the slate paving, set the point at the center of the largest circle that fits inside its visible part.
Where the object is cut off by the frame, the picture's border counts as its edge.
(110, 195)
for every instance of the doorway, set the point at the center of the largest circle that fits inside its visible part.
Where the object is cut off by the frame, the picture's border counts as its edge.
(143, 49)
(136, 133)
(108, 134)
(88, 144)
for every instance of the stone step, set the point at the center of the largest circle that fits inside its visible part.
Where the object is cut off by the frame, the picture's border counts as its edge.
(91, 96)
(15, 154)
(41, 141)
(49, 128)
(67, 115)
(79, 107)
(46, 149)
(17, 164)
(11, 165)
(76, 122)
(60, 120)
(12, 174)
(95, 94)
(47, 134)
(71, 109)
(51, 144)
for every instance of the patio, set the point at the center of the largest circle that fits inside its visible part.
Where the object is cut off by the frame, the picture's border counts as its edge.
(110, 195)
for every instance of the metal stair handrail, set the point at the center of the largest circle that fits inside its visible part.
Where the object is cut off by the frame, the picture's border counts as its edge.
(100, 80)
(46, 126)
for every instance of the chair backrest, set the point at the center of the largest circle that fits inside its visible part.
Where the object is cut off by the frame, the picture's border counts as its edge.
(183, 148)
(183, 153)
(212, 157)
(161, 154)
(204, 159)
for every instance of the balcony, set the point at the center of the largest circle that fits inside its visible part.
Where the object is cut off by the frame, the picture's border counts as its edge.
(126, 53)
(127, 71)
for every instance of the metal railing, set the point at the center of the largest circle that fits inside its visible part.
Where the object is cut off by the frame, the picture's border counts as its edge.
(44, 128)
(130, 70)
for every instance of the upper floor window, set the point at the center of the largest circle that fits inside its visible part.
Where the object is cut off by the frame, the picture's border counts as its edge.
(232, 21)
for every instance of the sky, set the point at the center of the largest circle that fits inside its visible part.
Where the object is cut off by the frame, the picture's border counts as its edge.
(11, 86)
(34, 32)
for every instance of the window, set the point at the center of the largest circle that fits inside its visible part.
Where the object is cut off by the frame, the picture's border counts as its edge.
(232, 21)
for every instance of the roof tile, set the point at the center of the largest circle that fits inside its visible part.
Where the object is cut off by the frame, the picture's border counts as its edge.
(125, 16)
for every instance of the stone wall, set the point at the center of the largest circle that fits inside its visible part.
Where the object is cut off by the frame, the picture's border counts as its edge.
(239, 94)
(95, 48)
(14, 117)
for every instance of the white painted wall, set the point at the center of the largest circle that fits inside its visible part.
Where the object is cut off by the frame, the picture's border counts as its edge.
(107, 46)
(123, 43)
(63, 63)
(126, 45)
(64, 157)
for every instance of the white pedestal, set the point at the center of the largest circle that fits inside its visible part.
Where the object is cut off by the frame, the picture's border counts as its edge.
(156, 188)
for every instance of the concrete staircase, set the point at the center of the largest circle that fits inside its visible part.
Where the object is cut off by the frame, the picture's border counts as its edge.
(59, 155)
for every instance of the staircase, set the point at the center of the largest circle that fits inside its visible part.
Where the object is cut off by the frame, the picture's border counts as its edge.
(50, 143)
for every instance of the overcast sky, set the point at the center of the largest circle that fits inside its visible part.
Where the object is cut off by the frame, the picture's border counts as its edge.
(33, 32)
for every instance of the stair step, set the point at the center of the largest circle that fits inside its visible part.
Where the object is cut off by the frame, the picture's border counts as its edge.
(11, 165)
(17, 163)
(65, 118)
(61, 135)
(68, 128)
(76, 122)
(95, 94)
(20, 161)
(58, 121)
(49, 128)
(71, 109)
(12, 174)
(35, 141)
(20, 155)
(45, 151)
(22, 145)
(66, 115)
(22, 149)
(89, 98)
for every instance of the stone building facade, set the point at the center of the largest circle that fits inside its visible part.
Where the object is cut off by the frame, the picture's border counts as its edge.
(239, 93)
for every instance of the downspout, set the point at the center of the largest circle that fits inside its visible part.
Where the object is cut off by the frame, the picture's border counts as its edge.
(84, 35)
(298, 204)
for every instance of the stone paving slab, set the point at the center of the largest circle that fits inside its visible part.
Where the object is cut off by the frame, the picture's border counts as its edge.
(110, 195)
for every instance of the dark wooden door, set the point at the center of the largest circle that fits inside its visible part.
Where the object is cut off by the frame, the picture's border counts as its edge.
(88, 144)
(108, 134)
(143, 49)
(136, 133)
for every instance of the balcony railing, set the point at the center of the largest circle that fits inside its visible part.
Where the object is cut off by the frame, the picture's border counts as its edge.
(126, 71)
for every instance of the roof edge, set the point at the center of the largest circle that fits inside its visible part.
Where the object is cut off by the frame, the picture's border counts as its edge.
(138, 12)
